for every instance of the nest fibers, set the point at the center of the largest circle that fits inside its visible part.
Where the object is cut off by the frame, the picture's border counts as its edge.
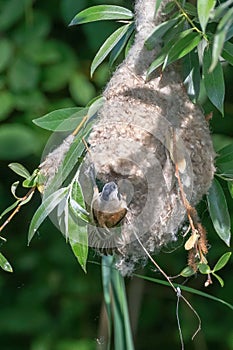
(143, 129)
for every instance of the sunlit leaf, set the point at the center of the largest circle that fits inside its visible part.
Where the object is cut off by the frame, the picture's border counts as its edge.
(64, 119)
(45, 209)
(4, 264)
(230, 187)
(219, 213)
(222, 261)
(19, 169)
(214, 81)
(107, 46)
(204, 8)
(100, 13)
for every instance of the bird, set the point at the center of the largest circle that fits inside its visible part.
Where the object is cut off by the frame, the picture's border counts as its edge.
(109, 206)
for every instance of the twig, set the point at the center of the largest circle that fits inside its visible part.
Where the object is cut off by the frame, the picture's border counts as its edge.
(22, 200)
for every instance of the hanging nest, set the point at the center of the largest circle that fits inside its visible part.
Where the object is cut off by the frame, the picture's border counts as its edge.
(144, 132)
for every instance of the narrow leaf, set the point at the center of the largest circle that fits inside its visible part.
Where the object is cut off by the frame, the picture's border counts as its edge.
(219, 213)
(158, 33)
(192, 76)
(225, 154)
(187, 289)
(78, 239)
(100, 13)
(222, 261)
(204, 8)
(19, 169)
(164, 51)
(11, 207)
(120, 45)
(214, 81)
(45, 209)
(182, 47)
(4, 264)
(227, 52)
(64, 119)
(187, 272)
(107, 47)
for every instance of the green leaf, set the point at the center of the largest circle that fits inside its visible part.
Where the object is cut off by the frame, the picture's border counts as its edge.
(222, 261)
(220, 10)
(182, 47)
(227, 52)
(11, 11)
(164, 51)
(71, 158)
(6, 49)
(17, 141)
(107, 46)
(192, 76)
(158, 32)
(120, 45)
(204, 8)
(19, 169)
(4, 264)
(219, 213)
(100, 13)
(78, 239)
(230, 187)
(204, 268)
(187, 272)
(81, 89)
(11, 207)
(45, 209)
(214, 81)
(220, 37)
(7, 103)
(187, 289)
(21, 68)
(225, 154)
(64, 119)
(224, 161)
(32, 180)
(219, 279)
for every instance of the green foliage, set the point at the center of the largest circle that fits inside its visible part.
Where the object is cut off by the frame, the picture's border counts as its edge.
(219, 213)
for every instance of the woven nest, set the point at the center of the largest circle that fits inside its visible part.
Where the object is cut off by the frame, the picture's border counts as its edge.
(143, 130)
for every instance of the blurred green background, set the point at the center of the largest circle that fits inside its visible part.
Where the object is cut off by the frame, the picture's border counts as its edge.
(48, 303)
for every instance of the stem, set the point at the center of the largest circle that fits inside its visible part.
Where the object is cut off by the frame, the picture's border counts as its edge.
(30, 192)
(79, 127)
(189, 20)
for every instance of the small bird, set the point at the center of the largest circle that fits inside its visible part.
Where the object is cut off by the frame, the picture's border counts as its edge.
(109, 206)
